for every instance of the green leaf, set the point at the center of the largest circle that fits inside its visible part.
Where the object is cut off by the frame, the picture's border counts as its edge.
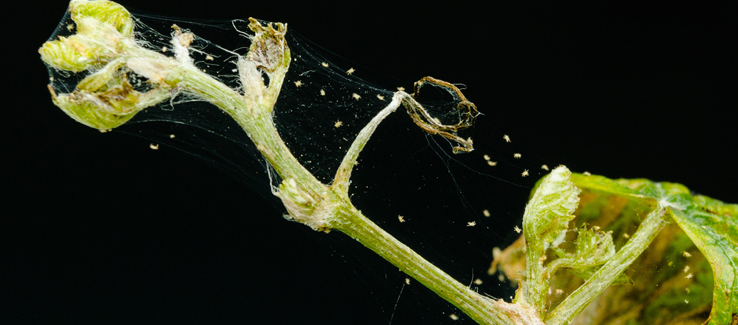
(688, 271)
(711, 225)
(545, 224)
(592, 248)
(547, 214)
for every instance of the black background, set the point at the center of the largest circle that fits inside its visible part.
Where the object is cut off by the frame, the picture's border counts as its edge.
(101, 229)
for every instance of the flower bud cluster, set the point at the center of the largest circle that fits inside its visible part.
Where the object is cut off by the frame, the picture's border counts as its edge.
(104, 48)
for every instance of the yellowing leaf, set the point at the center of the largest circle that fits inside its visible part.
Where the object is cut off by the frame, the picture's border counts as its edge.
(711, 225)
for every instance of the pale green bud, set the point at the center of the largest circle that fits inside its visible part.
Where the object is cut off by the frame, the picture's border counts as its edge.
(103, 29)
(69, 53)
(105, 101)
(106, 12)
(103, 47)
(85, 108)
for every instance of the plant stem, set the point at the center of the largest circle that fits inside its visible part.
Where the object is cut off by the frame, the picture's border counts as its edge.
(343, 175)
(601, 280)
(350, 221)
(256, 122)
(335, 207)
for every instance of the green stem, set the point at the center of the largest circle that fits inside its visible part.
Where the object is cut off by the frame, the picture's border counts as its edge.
(334, 207)
(601, 280)
(343, 175)
(256, 122)
(347, 219)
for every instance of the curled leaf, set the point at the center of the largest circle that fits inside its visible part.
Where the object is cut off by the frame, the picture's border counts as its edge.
(106, 99)
(545, 224)
(268, 54)
(547, 214)
(592, 248)
(713, 226)
(698, 253)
